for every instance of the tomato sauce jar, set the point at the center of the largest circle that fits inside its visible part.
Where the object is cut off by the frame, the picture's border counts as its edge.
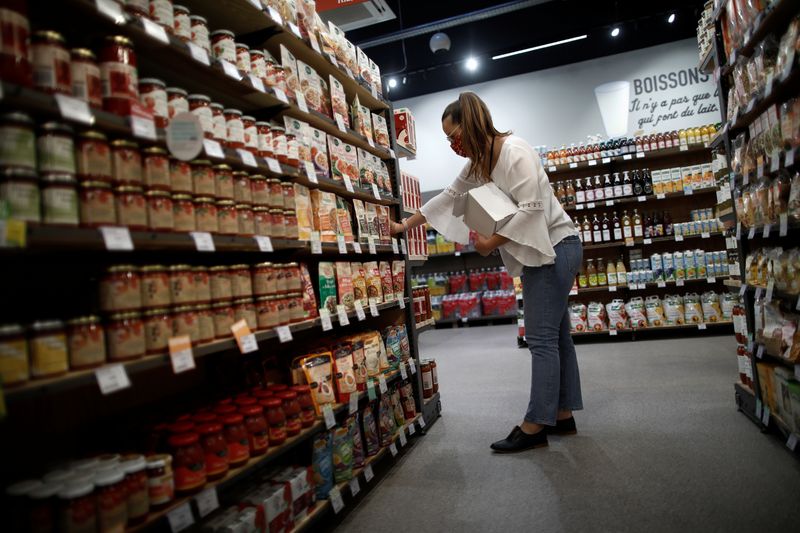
(202, 284)
(200, 35)
(181, 283)
(97, 207)
(244, 216)
(242, 57)
(157, 330)
(257, 429)
(180, 176)
(127, 162)
(250, 134)
(138, 501)
(177, 101)
(182, 24)
(223, 319)
(189, 462)
(220, 283)
(118, 75)
(120, 289)
(267, 315)
(112, 500)
(258, 66)
(77, 513)
(218, 119)
(131, 207)
(259, 190)
(125, 337)
(234, 128)
(162, 13)
(223, 182)
(160, 216)
(153, 96)
(307, 412)
(200, 106)
(291, 408)
(287, 191)
(156, 168)
(295, 305)
(52, 71)
(215, 448)
(206, 218)
(160, 480)
(93, 157)
(15, 65)
(183, 213)
(275, 193)
(264, 282)
(85, 74)
(280, 148)
(184, 322)
(264, 139)
(237, 438)
(19, 189)
(205, 320)
(262, 221)
(137, 8)
(223, 45)
(290, 229)
(245, 309)
(55, 148)
(242, 191)
(203, 181)
(292, 151)
(87, 342)
(241, 281)
(273, 408)
(227, 218)
(278, 224)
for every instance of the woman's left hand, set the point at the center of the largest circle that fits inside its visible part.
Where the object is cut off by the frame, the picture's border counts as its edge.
(483, 245)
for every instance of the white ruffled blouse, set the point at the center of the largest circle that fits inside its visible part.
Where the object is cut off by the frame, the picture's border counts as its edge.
(539, 224)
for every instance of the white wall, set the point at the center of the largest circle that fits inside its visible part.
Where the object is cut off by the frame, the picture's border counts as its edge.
(557, 106)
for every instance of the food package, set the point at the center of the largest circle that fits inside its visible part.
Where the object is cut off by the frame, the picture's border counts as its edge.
(319, 152)
(272, 504)
(339, 101)
(366, 171)
(405, 129)
(364, 69)
(322, 464)
(383, 358)
(636, 312)
(786, 271)
(376, 78)
(344, 161)
(358, 445)
(371, 437)
(712, 312)
(384, 180)
(362, 119)
(344, 283)
(310, 87)
(674, 310)
(729, 301)
(384, 223)
(387, 281)
(407, 397)
(359, 283)
(318, 371)
(784, 378)
(655, 311)
(310, 308)
(765, 381)
(345, 377)
(397, 408)
(778, 332)
(342, 455)
(380, 130)
(302, 133)
(289, 63)
(345, 50)
(361, 221)
(577, 317)
(326, 220)
(405, 345)
(596, 317)
(359, 362)
(399, 279)
(394, 353)
(373, 345)
(693, 308)
(617, 316)
(345, 219)
(372, 221)
(386, 424)
(327, 286)
(298, 483)
(374, 285)
(306, 11)
(304, 210)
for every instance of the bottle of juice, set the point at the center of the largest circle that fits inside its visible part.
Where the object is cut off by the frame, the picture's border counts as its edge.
(599, 191)
(616, 224)
(622, 277)
(589, 188)
(580, 195)
(570, 190)
(605, 224)
(602, 277)
(583, 279)
(682, 137)
(591, 272)
(611, 273)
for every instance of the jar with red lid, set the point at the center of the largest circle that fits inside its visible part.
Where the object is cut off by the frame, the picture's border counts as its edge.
(215, 448)
(264, 139)
(181, 284)
(291, 408)
(259, 191)
(184, 322)
(98, 207)
(93, 156)
(308, 414)
(131, 207)
(15, 65)
(291, 230)
(281, 282)
(245, 309)
(237, 438)
(292, 151)
(153, 96)
(205, 214)
(278, 223)
(223, 182)
(277, 387)
(118, 74)
(203, 178)
(157, 330)
(257, 429)
(276, 419)
(275, 198)
(261, 393)
(85, 74)
(294, 302)
(162, 13)
(280, 148)
(183, 213)
(205, 320)
(200, 106)
(120, 289)
(87, 342)
(51, 62)
(234, 128)
(160, 216)
(291, 278)
(241, 281)
(180, 176)
(137, 8)
(219, 123)
(262, 221)
(267, 314)
(182, 24)
(188, 462)
(156, 168)
(223, 45)
(177, 101)
(227, 218)
(279, 77)
(287, 191)
(126, 162)
(258, 66)
(137, 500)
(76, 508)
(242, 57)
(250, 134)
(223, 318)
(125, 336)
(244, 214)
(220, 283)
(264, 281)
(202, 284)
(200, 35)
(160, 480)
(272, 80)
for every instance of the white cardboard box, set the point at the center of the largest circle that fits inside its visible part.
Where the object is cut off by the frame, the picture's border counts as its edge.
(488, 209)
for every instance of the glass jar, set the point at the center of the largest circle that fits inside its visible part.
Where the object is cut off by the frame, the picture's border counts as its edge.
(244, 215)
(205, 320)
(180, 176)
(177, 101)
(118, 74)
(205, 212)
(250, 134)
(292, 151)
(245, 309)
(308, 414)
(262, 221)
(215, 448)
(85, 74)
(77, 511)
(223, 45)
(160, 481)
(120, 289)
(55, 148)
(41, 504)
(223, 182)
(14, 367)
(200, 35)
(60, 200)
(284, 317)
(237, 438)
(184, 322)
(131, 207)
(241, 281)
(295, 305)
(48, 349)
(280, 149)
(434, 376)
(51, 63)
(264, 282)
(220, 283)
(257, 429)
(242, 192)
(273, 408)
(223, 319)
(97, 204)
(138, 502)
(258, 66)
(290, 228)
(218, 120)
(156, 168)
(200, 106)
(19, 190)
(15, 65)
(183, 217)
(287, 192)
(153, 96)
(281, 279)
(279, 76)
(112, 499)
(162, 13)
(227, 219)
(202, 284)
(267, 315)
(427, 379)
(160, 216)
(189, 462)
(291, 408)
(278, 224)
(203, 178)
(264, 139)
(155, 283)
(125, 337)
(234, 128)
(275, 193)
(292, 278)
(157, 330)
(242, 57)
(86, 342)
(93, 157)
(182, 24)
(181, 284)
(18, 146)
(126, 163)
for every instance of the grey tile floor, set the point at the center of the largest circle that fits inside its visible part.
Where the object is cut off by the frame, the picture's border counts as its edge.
(661, 447)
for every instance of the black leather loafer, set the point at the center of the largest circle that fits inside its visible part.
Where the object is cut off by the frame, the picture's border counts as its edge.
(563, 427)
(518, 441)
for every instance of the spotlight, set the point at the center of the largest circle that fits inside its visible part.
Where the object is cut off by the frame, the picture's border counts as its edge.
(404, 80)
(472, 64)
(392, 83)
(671, 18)
(615, 32)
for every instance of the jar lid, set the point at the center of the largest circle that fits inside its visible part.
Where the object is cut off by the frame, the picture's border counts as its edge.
(231, 111)
(84, 320)
(256, 52)
(122, 268)
(249, 117)
(7, 330)
(204, 200)
(222, 32)
(133, 463)
(198, 18)
(48, 490)
(287, 185)
(244, 206)
(119, 39)
(109, 476)
(176, 268)
(59, 178)
(244, 400)
(232, 418)
(152, 81)
(81, 476)
(183, 309)
(156, 312)
(56, 126)
(47, 325)
(257, 177)
(288, 211)
(201, 162)
(76, 490)
(181, 197)
(124, 143)
(16, 116)
(273, 210)
(224, 410)
(182, 9)
(292, 264)
(184, 426)
(200, 97)
(91, 134)
(23, 488)
(129, 315)
(85, 464)
(215, 105)
(204, 418)
(219, 268)
(287, 395)
(241, 173)
(242, 45)
(177, 90)
(220, 305)
(182, 439)
(261, 209)
(262, 394)
(153, 268)
(276, 127)
(156, 192)
(209, 428)
(18, 172)
(200, 269)
(262, 123)
(271, 403)
(83, 53)
(226, 203)
(302, 389)
(251, 410)
(240, 266)
(48, 34)
(222, 166)
(156, 461)
(154, 150)
(202, 307)
(295, 294)
(95, 185)
(129, 189)
(266, 264)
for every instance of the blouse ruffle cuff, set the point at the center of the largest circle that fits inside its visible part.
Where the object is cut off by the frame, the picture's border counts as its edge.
(438, 212)
(529, 238)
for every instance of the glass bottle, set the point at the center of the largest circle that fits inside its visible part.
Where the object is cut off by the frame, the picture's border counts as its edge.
(587, 230)
(579, 229)
(560, 194)
(668, 229)
(658, 225)
(583, 279)
(638, 230)
(616, 225)
(597, 232)
(668, 139)
(562, 155)
(608, 187)
(647, 223)
(627, 185)
(676, 139)
(587, 185)
(617, 186)
(570, 190)
(599, 192)
(638, 187)
(580, 194)
(627, 226)
(591, 273)
(648, 182)
(611, 273)
(606, 228)
(622, 277)
(660, 141)
(602, 276)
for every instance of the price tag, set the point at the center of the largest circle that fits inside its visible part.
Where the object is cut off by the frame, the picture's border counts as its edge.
(751, 233)
(791, 442)
(203, 241)
(74, 109)
(705, 235)
(730, 243)
(738, 231)
(116, 238)
(180, 518)
(355, 488)
(357, 247)
(742, 290)
(606, 160)
(264, 243)
(274, 165)
(457, 254)
(316, 245)
(393, 449)
(784, 227)
(213, 148)
(180, 354)
(701, 325)
(111, 9)
(112, 378)
(342, 244)
(760, 351)
(392, 154)
(403, 372)
(788, 158)
(661, 284)
(274, 15)
(247, 157)
(593, 163)
(661, 196)
(711, 279)
(327, 414)
(373, 309)
(207, 501)
(580, 207)
(412, 366)
(641, 198)
(765, 416)
(402, 303)
(156, 31)
(371, 394)
(244, 338)
(360, 311)
(422, 422)
(647, 241)
(612, 332)
(284, 333)
(332, 59)
(411, 429)
(551, 169)
(371, 244)
(353, 403)
(679, 283)
(688, 192)
(199, 54)
(230, 69)
(311, 174)
(370, 142)
(369, 475)
(639, 155)
(325, 319)
(612, 288)
(314, 43)
(609, 202)
(301, 101)
(343, 318)
(382, 384)
(573, 292)
(775, 160)
(767, 229)
(375, 192)
(403, 440)
(770, 290)
(590, 205)
(295, 29)
(403, 249)
(335, 497)
(678, 238)
(280, 95)
(573, 165)
(340, 122)
(348, 184)
(395, 247)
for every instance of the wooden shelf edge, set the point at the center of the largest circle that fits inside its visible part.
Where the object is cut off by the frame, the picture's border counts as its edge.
(648, 156)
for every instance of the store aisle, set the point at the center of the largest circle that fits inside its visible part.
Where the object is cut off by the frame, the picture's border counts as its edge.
(661, 447)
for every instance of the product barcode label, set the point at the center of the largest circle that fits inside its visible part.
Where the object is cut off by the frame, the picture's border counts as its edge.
(375, 192)
(340, 123)
(348, 184)
(355, 488)
(327, 414)
(359, 310)
(342, 312)
(395, 247)
(230, 69)
(112, 378)
(393, 449)
(411, 429)
(284, 333)
(325, 319)
(203, 241)
(371, 394)
(264, 243)
(422, 422)
(301, 101)
(357, 247)
(116, 238)
(335, 497)
(412, 366)
(207, 502)
(180, 354)
(403, 373)
(180, 518)
(244, 338)
(280, 95)
(784, 224)
(371, 244)
(791, 442)
(402, 439)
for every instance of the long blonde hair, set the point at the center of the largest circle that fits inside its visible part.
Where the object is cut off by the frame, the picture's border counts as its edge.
(477, 131)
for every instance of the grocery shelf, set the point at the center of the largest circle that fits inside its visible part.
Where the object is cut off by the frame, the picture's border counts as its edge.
(792, 299)
(758, 346)
(733, 282)
(604, 162)
(708, 63)
(475, 320)
(407, 153)
(745, 388)
(666, 284)
(606, 332)
(746, 401)
(600, 204)
(770, 20)
(433, 398)
(316, 512)
(786, 85)
(425, 326)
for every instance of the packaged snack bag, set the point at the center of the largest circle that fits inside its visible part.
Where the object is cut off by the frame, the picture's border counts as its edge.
(289, 63)
(362, 119)
(327, 287)
(342, 455)
(374, 285)
(693, 308)
(344, 161)
(380, 130)
(343, 218)
(318, 371)
(674, 310)
(371, 436)
(359, 362)
(387, 282)
(384, 231)
(655, 311)
(358, 445)
(399, 278)
(322, 464)
(345, 377)
(364, 69)
(597, 317)
(310, 309)
(361, 221)
(372, 354)
(359, 283)
(366, 171)
(319, 152)
(617, 316)
(636, 312)
(304, 210)
(711, 308)
(325, 214)
(344, 282)
(309, 85)
(338, 101)
(577, 316)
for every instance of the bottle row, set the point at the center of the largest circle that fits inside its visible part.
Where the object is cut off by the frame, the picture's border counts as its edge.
(601, 229)
(500, 303)
(474, 280)
(777, 266)
(594, 150)
(421, 297)
(653, 312)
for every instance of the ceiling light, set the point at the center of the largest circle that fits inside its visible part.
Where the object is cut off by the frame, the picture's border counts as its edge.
(392, 83)
(472, 64)
(615, 32)
(671, 18)
(548, 45)
(439, 42)
(404, 80)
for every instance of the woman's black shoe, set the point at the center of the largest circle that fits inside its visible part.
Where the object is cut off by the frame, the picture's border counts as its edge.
(563, 427)
(519, 441)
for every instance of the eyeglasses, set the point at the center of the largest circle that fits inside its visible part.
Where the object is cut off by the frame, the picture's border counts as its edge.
(451, 137)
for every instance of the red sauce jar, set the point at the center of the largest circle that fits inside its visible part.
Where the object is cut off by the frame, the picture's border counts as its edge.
(160, 480)
(258, 66)
(87, 343)
(205, 212)
(156, 168)
(85, 74)
(242, 57)
(259, 190)
(223, 319)
(227, 218)
(120, 289)
(119, 75)
(157, 330)
(276, 420)
(238, 439)
(188, 462)
(220, 283)
(257, 429)
(15, 65)
(223, 45)
(112, 500)
(177, 101)
(262, 221)
(205, 319)
(131, 207)
(200, 35)
(278, 224)
(200, 106)
(180, 175)
(77, 511)
(160, 216)
(250, 134)
(234, 128)
(245, 309)
(275, 192)
(294, 303)
(181, 284)
(182, 24)
(183, 213)
(218, 119)
(291, 408)
(137, 8)
(51, 62)
(244, 216)
(264, 139)
(93, 157)
(203, 181)
(280, 148)
(241, 281)
(223, 182)
(215, 447)
(242, 190)
(125, 337)
(162, 13)
(97, 204)
(138, 501)
(202, 284)
(153, 96)
(267, 312)
(307, 412)
(292, 151)
(126, 162)
(264, 280)
(290, 229)
(287, 191)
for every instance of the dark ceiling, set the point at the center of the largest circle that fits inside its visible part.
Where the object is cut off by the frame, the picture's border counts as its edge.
(642, 23)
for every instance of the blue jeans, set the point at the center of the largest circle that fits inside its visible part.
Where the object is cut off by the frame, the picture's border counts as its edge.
(555, 381)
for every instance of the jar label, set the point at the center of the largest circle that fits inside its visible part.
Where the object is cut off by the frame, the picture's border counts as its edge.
(235, 130)
(17, 147)
(48, 355)
(56, 154)
(60, 205)
(22, 199)
(160, 490)
(183, 26)
(15, 33)
(200, 36)
(177, 105)
(86, 83)
(225, 48)
(203, 113)
(51, 68)
(119, 80)
(156, 102)
(161, 12)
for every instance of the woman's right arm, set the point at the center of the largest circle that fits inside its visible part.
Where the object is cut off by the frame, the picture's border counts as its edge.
(417, 219)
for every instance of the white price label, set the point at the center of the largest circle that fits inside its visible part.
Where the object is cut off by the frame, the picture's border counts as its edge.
(767, 229)
(371, 244)
(765, 416)
(705, 235)
(393, 449)
(590, 205)
(395, 247)
(360, 310)
(730, 243)
(280, 95)
(612, 332)
(402, 303)
(784, 224)
(112, 378)
(295, 29)
(373, 309)
(111, 9)
(230, 69)
(370, 142)
(403, 440)
(788, 159)
(341, 311)
(678, 238)
(207, 501)
(327, 414)
(759, 291)
(357, 247)
(679, 283)
(369, 475)
(340, 122)
(116, 238)
(274, 165)
(711, 279)
(213, 148)
(249, 343)
(609, 202)
(403, 372)
(661, 284)
(203, 241)
(335, 497)
(661, 196)
(143, 127)
(627, 157)
(264, 243)
(760, 351)
(180, 518)
(156, 31)
(422, 422)
(573, 165)
(247, 157)
(284, 333)
(355, 488)
(382, 384)
(180, 354)
(342, 244)
(325, 319)
(274, 15)
(639, 155)
(684, 148)
(311, 174)
(301, 101)
(688, 192)
(593, 163)
(606, 160)
(612, 288)
(580, 207)
(411, 429)
(375, 192)
(701, 325)
(647, 241)
(199, 54)
(392, 154)
(316, 245)
(314, 42)
(353, 403)
(403, 249)
(641, 198)
(751, 233)
(74, 109)
(791, 442)
(770, 290)
(348, 184)
(742, 290)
